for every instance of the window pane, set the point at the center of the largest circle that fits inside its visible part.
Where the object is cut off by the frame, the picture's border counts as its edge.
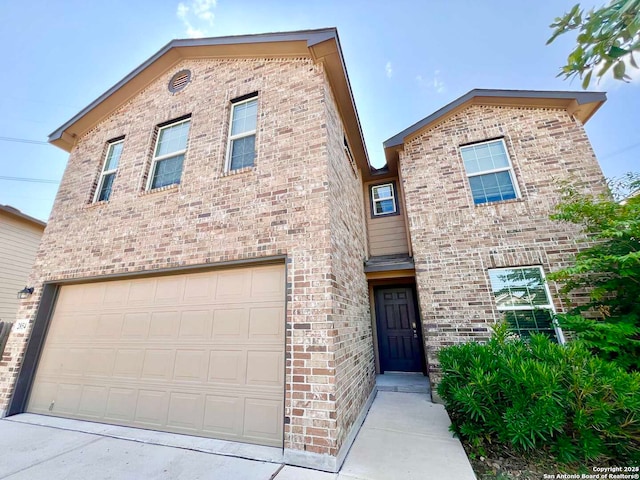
(167, 172)
(519, 287)
(105, 188)
(172, 139)
(244, 117)
(487, 156)
(382, 191)
(526, 322)
(243, 152)
(492, 187)
(113, 156)
(384, 206)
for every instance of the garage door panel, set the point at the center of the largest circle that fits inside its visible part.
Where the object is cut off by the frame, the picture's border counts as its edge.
(267, 284)
(135, 325)
(151, 409)
(191, 366)
(141, 292)
(121, 405)
(223, 414)
(75, 361)
(265, 324)
(68, 398)
(169, 290)
(109, 326)
(42, 394)
(186, 411)
(128, 363)
(233, 286)
(158, 364)
(93, 401)
(227, 366)
(198, 353)
(100, 362)
(115, 293)
(261, 419)
(230, 324)
(265, 368)
(164, 325)
(200, 288)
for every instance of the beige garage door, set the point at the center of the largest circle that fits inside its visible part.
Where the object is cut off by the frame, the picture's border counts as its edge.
(201, 354)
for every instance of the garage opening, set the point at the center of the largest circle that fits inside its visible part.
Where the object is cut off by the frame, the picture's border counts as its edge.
(198, 353)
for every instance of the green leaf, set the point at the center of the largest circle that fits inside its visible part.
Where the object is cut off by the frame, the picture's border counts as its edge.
(618, 70)
(617, 52)
(586, 80)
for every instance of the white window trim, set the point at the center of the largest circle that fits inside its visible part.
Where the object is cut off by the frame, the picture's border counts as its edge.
(103, 172)
(549, 306)
(508, 168)
(227, 166)
(155, 160)
(392, 197)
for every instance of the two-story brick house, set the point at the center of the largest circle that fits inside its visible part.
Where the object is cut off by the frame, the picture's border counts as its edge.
(222, 260)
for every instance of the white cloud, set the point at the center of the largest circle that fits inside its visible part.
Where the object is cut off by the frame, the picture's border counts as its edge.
(434, 83)
(196, 16)
(388, 70)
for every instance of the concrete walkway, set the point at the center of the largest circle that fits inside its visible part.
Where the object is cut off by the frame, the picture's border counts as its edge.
(404, 437)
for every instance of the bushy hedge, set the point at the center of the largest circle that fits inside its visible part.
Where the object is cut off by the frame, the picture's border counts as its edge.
(536, 394)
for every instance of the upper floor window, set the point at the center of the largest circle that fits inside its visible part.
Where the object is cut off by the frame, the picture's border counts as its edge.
(383, 199)
(109, 169)
(522, 295)
(168, 154)
(489, 171)
(241, 150)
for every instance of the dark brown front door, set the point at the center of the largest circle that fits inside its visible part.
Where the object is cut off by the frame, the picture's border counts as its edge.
(399, 338)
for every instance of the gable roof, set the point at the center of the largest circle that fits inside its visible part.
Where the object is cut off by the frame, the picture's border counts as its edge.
(14, 212)
(322, 45)
(581, 105)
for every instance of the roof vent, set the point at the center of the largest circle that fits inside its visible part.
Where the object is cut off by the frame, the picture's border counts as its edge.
(179, 81)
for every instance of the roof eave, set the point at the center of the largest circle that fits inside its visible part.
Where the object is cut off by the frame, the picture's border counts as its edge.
(581, 105)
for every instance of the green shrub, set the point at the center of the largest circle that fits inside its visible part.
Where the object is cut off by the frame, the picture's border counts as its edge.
(537, 394)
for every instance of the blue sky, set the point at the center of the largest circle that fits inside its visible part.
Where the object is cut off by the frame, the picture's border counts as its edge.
(405, 60)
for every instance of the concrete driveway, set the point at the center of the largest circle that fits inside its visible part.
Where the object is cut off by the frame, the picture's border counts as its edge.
(404, 437)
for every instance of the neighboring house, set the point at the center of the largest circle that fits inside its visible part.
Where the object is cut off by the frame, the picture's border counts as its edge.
(19, 239)
(223, 261)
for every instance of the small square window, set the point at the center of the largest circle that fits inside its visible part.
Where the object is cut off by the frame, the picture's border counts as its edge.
(522, 295)
(241, 149)
(168, 154)
(383, 200)
(108, 173)
(489, 171)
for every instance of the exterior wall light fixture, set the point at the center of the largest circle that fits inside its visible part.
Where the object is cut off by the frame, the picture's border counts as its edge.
(25, 292)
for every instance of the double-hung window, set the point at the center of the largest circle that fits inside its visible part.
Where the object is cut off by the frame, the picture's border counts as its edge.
(489, 171)
(523, 297)
(383, 200)
(168, 154)
(241, 149)
(109, 169)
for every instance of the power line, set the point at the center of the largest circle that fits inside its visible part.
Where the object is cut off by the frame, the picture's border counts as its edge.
(23, 140)
(622, 150)
(25, 179)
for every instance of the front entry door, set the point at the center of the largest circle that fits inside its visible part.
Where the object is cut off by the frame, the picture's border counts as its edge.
(399, 336)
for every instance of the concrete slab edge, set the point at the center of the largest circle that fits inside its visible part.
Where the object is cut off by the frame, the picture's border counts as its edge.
(199, 444)
(328, 463)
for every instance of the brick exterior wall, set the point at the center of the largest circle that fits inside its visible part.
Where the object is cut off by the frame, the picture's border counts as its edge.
(285, 205)
(351, 318)
(455, 242)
